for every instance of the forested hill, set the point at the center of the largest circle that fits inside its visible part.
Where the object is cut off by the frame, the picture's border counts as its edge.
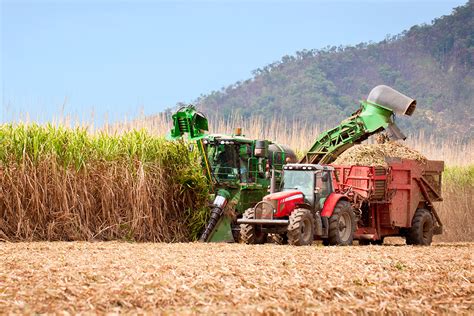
(432, 63)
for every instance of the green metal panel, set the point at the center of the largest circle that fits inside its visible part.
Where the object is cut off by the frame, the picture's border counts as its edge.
(370, 119)
(189, 120)
(223, 231)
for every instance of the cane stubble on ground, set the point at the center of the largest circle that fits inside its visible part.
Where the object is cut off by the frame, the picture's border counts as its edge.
(74, 277)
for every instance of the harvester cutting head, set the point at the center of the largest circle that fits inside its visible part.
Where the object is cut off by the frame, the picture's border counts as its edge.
(188, 120)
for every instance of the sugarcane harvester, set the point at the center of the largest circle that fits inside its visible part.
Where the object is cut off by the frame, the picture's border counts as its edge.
(238, 170)
(340, 203)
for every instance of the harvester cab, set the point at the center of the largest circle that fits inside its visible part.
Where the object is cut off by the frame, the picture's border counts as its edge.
(238, 170)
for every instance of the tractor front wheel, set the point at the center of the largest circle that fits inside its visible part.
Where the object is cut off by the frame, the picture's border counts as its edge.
(342, 224)
(251, 234)
(301, 228)
(421, 231)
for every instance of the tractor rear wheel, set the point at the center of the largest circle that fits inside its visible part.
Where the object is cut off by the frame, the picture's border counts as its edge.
(301, 228)
(421, 231)
(342, 224)
(251, 234)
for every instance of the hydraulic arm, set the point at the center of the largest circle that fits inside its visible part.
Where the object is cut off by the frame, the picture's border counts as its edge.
(375, 115)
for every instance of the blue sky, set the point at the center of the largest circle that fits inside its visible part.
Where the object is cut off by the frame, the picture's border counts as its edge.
(117, 58)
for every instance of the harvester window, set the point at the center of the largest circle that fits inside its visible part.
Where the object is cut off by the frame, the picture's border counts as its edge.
(245, 163)
(226, 162)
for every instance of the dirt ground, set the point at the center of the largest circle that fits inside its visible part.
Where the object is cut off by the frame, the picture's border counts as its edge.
(73, 277)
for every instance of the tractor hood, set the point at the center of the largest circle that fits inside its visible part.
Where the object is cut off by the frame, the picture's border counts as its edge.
(284, 202)
(284, 196)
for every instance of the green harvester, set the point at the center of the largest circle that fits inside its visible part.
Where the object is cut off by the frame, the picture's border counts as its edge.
(238, 169)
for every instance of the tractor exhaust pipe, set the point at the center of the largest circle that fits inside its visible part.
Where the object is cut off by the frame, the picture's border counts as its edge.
(273, 186)
(392, 99)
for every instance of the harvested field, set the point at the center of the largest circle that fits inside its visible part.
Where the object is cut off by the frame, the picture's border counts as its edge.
(231, 278)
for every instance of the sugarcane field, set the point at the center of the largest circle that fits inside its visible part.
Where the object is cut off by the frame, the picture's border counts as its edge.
(337, 180)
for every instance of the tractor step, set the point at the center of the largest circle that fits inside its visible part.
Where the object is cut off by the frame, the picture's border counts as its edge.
(263, 221)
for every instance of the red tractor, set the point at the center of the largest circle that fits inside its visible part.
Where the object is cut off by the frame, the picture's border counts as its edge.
(341, 203)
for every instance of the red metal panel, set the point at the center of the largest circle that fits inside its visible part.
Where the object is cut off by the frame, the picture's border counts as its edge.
(393, 195)
(287, 201)
(407, 193)
(287, 205)
(401, 184)
(330, 203)
(383, 213)
(281, 195)
(364, 180)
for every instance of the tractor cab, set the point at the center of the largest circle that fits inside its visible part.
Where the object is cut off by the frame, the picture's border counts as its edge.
(314, 181)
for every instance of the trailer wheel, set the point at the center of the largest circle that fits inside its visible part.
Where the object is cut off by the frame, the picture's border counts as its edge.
(342, 224)
(251, 234)
(301, 228)
(421, 231)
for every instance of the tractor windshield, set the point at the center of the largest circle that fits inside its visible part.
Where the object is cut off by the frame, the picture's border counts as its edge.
(301, 180)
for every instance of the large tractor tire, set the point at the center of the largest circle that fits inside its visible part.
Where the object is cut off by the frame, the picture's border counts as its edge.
(301, 228)
(421, 231)
(251, 234)
(342, 224)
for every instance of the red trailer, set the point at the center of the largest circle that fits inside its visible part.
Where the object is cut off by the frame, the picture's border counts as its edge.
(393, 199)
(341, 203)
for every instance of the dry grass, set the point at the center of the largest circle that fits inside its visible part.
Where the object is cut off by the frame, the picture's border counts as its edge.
(457, 214)
(301, 135)
(60, 184)
(457, 209)
(237, 279)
